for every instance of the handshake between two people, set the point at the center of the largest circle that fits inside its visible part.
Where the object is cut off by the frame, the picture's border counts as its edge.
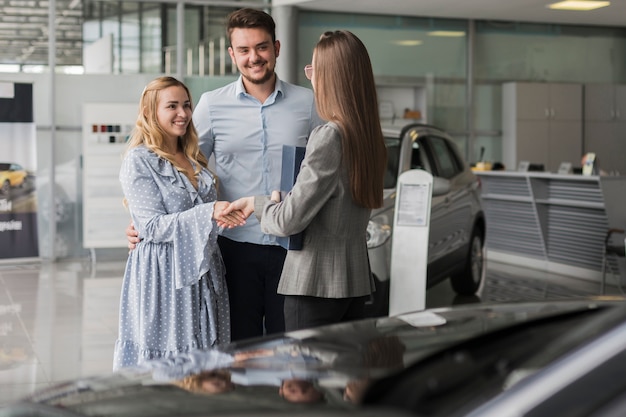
(229, 215)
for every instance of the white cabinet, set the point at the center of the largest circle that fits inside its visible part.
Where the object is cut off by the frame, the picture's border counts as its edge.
(396, 96)
(106, 127)
(605, 125)
(542, 124)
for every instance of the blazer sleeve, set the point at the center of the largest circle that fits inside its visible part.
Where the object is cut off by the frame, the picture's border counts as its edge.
(315, 185)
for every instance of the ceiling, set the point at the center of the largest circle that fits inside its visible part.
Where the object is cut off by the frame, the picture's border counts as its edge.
(24, 31)
(508, 10)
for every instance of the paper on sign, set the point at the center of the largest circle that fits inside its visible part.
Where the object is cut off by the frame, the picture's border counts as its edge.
(413, 204)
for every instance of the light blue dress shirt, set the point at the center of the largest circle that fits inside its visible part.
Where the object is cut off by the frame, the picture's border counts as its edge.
(246, 138)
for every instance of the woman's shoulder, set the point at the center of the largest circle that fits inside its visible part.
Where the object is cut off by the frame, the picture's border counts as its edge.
(141, 156)
(327, 130)
(138, 155)
(327, 133)
(138, 152)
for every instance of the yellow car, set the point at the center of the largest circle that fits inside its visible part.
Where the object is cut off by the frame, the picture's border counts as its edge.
(11, 175)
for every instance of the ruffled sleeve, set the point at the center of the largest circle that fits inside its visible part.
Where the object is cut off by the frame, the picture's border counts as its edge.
(167, 210)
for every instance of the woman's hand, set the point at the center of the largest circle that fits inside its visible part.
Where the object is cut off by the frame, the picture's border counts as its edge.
(228, 218)
(245, 205)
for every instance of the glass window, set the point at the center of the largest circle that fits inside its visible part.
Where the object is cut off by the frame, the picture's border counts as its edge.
(150, 35)
(136, 31)
(145, 36)
(399, 46)
(393, 161)
(416, 157)
(543, 52)
(446, 162)
(130, 42)
(405, 52)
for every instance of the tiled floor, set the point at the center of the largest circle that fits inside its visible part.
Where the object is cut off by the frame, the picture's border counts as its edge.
(59, 320)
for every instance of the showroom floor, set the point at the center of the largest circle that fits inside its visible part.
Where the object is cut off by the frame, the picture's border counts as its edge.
(59, 320)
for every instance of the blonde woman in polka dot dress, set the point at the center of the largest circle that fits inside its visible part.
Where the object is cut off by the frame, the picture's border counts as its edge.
(174, 296)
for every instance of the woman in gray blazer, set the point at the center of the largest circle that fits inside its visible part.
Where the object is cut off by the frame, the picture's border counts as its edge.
(339, 183)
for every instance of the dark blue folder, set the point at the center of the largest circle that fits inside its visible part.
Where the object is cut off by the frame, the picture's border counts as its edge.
(292, 159)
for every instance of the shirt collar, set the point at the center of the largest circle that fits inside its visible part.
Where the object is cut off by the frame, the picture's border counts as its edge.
(278, 87)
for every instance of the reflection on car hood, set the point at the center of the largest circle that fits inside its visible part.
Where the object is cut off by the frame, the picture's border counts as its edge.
(328, 367)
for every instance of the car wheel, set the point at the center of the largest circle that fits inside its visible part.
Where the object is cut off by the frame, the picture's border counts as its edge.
(378, 304)
(469, 279)
(6, 187)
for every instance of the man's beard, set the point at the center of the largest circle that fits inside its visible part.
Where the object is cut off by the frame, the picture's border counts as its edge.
(268, 76)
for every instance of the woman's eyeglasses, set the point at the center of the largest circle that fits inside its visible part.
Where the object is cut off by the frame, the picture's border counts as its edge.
(308, 71)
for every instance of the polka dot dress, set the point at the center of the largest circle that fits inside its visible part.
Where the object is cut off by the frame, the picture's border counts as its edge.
(174, 296)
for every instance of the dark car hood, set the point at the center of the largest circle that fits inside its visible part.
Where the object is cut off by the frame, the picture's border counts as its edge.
(328, 359)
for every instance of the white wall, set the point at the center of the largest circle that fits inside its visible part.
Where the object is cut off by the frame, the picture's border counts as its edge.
(71, 92)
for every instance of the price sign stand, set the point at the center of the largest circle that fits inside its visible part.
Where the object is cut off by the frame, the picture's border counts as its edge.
(409, 253)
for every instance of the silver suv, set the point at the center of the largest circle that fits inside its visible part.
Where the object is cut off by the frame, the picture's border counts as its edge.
(457, 222)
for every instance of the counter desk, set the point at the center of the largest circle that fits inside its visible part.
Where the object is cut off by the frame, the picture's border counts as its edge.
(552, 222)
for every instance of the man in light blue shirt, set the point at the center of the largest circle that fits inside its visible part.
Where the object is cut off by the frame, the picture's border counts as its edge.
(244, 125)
(246, 138)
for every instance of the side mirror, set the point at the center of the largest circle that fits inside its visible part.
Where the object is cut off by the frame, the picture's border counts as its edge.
(441, 186)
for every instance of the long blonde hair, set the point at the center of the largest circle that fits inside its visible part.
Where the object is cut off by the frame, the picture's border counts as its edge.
(149, 133)
(345, 93)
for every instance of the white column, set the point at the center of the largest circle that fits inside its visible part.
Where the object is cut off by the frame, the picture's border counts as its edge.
(286, 18)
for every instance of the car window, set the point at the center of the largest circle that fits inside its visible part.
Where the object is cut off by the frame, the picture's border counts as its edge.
(446, 162)
(416, 157)
(393, 161)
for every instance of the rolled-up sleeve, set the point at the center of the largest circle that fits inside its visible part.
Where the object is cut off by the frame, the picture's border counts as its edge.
(202, 123)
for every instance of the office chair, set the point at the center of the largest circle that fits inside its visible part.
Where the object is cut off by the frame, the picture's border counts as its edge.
(614, 244)
(614, 258)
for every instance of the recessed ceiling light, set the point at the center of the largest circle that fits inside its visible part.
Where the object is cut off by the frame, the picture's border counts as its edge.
(447, 33)
(407, 43)
(578, 5)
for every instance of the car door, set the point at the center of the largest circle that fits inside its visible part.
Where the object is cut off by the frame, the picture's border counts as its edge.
(451, 213)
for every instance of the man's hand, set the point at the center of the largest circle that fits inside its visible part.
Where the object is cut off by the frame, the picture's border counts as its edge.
(228, 218)
(133, 236)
